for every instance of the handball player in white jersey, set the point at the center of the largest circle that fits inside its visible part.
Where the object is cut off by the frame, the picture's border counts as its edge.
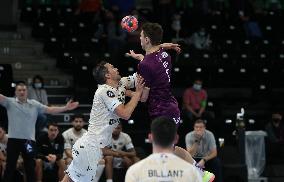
(108, 107)
(163, 165)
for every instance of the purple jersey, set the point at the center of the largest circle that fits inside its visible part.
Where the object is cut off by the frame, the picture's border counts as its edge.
(155, 68)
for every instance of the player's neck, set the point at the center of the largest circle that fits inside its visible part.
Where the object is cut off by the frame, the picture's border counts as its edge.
(112, 83)
(157, 149)
(150, 49)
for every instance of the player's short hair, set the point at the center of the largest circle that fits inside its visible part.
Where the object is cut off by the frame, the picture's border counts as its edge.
(164, 131)
(77, 116)
(198, 121)
(99, 72)
(20, 83)
(154, 31)
(52, 124)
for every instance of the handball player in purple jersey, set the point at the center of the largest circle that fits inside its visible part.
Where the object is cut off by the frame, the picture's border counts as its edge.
(155, 67)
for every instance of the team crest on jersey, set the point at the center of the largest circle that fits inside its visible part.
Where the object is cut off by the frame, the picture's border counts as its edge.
(110, 94)
(164, 55)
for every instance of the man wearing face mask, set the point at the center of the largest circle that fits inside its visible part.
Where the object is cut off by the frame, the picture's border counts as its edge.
(195, 100)
(37, 92)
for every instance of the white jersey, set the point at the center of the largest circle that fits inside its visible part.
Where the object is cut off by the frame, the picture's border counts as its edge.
(123, 140)
(70, 137)
(162, 167)
(103, 119)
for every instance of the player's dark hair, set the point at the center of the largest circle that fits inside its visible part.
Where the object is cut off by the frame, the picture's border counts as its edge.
(164, 131)
(99, 72)
(77, 116)
(198, 121)
(154, 31)
(52, 124)
(20, 83)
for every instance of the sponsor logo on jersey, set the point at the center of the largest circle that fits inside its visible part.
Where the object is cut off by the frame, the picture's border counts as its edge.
(110, 94)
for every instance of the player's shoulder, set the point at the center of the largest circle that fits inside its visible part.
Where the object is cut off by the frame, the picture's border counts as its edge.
(124, 135)
(105, 90)
(67, 132)
(138, 165)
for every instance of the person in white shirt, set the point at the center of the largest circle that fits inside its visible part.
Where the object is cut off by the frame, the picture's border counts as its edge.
(108, 107)
(163, 164)
(122, 143)
(72, 135)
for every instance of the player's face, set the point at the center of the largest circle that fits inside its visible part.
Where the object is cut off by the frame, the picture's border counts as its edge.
(113, 73)
(52, 132)
(199, 129)
(143, 40)
(21, 92)
(78, 124)
(117, 130)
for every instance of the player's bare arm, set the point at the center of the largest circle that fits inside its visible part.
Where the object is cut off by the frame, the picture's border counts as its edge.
(125, 111)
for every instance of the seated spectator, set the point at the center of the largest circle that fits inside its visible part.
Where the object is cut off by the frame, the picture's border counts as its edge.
(37, 92)
(201, 144)
(275, 129)
(120, 141)
(200, 40)
(72, 135)
(50, 148)
(195, 101)
(275, 133)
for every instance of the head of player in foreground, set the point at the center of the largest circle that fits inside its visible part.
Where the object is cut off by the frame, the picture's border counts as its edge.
(151, 35)
(163, 134)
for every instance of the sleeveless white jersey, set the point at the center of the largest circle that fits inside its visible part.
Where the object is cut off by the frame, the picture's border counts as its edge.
(123, 140)
(103, 118)
(162, 167)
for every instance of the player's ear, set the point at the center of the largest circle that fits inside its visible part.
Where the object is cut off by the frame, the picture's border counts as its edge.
(176, 139)
(150, 137)
(107, 75)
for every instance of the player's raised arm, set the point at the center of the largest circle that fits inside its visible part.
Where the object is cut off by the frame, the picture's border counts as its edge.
(132, 54)
(173, 46)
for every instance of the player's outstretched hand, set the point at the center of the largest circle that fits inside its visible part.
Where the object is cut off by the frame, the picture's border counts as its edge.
(173, 46)
(71, 105)
(140, 84)
(132, 54)
(182, 153)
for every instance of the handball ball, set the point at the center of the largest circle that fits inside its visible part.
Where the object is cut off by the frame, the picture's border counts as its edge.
(129, 23)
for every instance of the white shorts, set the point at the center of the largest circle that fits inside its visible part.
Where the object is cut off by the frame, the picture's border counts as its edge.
(86, 157)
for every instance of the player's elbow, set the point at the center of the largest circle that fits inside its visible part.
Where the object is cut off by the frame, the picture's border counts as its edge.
(122, 112)
(125, 116)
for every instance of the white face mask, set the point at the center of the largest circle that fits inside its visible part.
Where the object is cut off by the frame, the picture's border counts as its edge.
(38, 85)
(197, 87)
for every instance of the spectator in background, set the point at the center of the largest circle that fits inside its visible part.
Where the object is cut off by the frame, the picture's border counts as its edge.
(195, 101)
(121, 142)
(50, 148)
(37, 92)
(22, 116)
(275, 129)
(72, 135)
(201, 144)
(121, 8)
(275, 133)
(89, 10)
(200, 40)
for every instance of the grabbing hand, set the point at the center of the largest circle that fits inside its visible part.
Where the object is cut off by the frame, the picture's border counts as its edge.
(132, 54)
(140, 84)
(173, 46)
(71, 105)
